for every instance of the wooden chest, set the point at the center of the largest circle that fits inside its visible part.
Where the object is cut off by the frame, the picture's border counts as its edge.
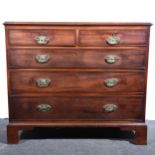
(77, 75)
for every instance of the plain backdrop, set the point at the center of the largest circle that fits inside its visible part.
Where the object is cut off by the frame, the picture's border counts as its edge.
(78, 10)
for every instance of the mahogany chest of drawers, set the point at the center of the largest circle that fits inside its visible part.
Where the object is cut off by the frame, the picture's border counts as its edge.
(77, 75)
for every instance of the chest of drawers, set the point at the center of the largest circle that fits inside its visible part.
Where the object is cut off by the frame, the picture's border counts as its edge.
(77, 75)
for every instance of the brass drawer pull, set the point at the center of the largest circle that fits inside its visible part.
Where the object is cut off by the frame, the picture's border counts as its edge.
(43, 83)
(42, 58)
(113, 40)
(110, 107)
(43, 107)
(111, 59)
(111, 82)
(42, 40)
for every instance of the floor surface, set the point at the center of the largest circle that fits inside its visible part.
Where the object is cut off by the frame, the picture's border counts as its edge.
(72, 141)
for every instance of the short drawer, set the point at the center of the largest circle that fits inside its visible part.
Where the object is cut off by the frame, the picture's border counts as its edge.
(74, 58)
(106, 108)
(76, 81)
(115, 37)
(46, 37)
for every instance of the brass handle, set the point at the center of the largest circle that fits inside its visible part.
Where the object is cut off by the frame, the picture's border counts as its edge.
(43, 107)
(113, 40)
(111, 82)
(43, 83)
(42, 40)
(42, 58)
(111, 59)
(110, 107)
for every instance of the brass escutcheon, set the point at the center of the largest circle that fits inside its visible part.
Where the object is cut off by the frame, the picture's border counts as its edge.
(113, 40)
(43, 83)
(43, 107)
(43, 58)
(42, 40)
(111, 59)
(110, 107)
(111, 82)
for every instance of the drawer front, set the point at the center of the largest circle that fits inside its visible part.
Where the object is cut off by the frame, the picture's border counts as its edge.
(112, 37)
(72, 81)
(106, 108)
(69, 58)
(32, 37)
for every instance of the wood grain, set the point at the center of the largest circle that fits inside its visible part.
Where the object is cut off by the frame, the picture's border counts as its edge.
(77, 70)
(56, 37)
(76, 58)
(77, 108)
(98, 37)
(86, 82)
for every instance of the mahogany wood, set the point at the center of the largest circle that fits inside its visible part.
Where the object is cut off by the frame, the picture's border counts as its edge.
(129, 108)
(86, 82)
(98, 37)
(56, 37)
(77, 58)
(140, 129)
(77, 70)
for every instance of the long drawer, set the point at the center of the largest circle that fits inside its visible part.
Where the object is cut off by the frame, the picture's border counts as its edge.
(106, 108)
(39, 81)
(77, 58)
